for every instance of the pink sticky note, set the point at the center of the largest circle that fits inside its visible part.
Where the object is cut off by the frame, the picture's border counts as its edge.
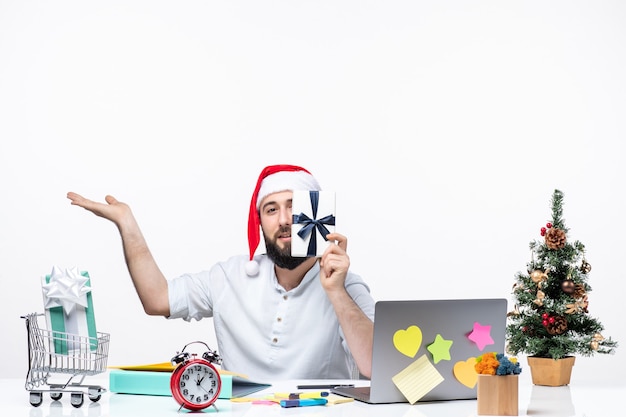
(264, 402)
(481, 335)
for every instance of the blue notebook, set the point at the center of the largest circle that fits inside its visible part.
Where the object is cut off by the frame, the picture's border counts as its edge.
(158, 383)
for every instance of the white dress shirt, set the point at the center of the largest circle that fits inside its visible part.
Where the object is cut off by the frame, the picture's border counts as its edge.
(264, 331)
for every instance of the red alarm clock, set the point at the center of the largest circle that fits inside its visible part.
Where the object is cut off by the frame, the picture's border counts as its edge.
(195, 382)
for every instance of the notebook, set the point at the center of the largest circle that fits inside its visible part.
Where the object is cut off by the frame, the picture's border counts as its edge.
(425, 350)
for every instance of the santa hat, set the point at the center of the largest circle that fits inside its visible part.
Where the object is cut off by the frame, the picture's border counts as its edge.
(273, 179)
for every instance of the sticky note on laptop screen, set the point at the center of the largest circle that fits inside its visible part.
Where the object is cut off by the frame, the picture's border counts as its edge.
(417, 379)
(313, 218)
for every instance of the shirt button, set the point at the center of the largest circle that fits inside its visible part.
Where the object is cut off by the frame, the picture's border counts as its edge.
(274, 340)
(279, 319)
(285, 297)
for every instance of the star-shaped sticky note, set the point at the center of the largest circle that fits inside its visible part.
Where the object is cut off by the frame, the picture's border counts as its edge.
(481, 335)
(440, 349)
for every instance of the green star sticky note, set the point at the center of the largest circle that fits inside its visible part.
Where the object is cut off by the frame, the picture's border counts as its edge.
(440, 349)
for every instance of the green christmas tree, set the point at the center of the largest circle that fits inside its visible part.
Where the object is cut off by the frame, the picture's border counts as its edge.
(551, 317)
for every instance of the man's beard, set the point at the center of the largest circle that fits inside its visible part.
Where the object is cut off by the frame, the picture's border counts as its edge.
(282, 257)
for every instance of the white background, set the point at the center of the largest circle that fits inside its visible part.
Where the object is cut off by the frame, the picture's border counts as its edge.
(443, 127)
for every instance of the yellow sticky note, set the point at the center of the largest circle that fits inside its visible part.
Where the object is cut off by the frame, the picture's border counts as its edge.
(417, 379)
(465, 372)
(408, 341)
(154, 367)
(337, 399)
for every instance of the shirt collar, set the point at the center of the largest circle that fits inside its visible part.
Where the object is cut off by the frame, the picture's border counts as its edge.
(310, 275)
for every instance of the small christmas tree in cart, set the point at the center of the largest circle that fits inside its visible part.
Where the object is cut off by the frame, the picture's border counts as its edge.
(551, 320)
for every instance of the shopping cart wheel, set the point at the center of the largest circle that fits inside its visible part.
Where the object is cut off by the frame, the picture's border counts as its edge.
(36, 398)
(77, 399)
(56, 395)
(95, 393)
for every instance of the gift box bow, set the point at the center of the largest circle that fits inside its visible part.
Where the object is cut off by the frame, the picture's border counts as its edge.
(66, 288)
(311, 224)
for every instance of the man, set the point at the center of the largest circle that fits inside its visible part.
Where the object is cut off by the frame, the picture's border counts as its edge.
(275, 316)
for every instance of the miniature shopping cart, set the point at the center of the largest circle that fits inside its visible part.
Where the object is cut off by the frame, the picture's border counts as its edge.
(81, 356)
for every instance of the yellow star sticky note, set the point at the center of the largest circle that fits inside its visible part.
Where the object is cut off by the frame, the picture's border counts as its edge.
(417, 379)
(440, 349)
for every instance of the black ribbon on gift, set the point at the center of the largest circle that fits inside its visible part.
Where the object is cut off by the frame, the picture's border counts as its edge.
(311, 224)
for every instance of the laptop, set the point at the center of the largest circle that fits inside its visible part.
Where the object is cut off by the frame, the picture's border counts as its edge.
(453, 333)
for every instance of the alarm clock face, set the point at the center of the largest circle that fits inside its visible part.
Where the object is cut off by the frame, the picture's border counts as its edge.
(196, 384)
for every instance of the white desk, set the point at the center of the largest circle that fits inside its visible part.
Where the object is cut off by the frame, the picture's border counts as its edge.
(575, 400)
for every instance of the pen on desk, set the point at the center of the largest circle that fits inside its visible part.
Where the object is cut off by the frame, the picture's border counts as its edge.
(310, 394)
(305, 402)
(298, 395)
(325, 386)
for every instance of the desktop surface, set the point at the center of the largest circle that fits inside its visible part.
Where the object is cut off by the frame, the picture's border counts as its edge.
(591, 399)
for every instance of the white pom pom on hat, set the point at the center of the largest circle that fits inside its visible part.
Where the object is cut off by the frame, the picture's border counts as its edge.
(273, 179)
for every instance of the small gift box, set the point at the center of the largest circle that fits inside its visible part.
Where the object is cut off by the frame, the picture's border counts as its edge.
(497, 392)
(69, 310)
(313, 219)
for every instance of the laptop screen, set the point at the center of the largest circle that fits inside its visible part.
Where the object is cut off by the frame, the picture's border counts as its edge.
(425, 350)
